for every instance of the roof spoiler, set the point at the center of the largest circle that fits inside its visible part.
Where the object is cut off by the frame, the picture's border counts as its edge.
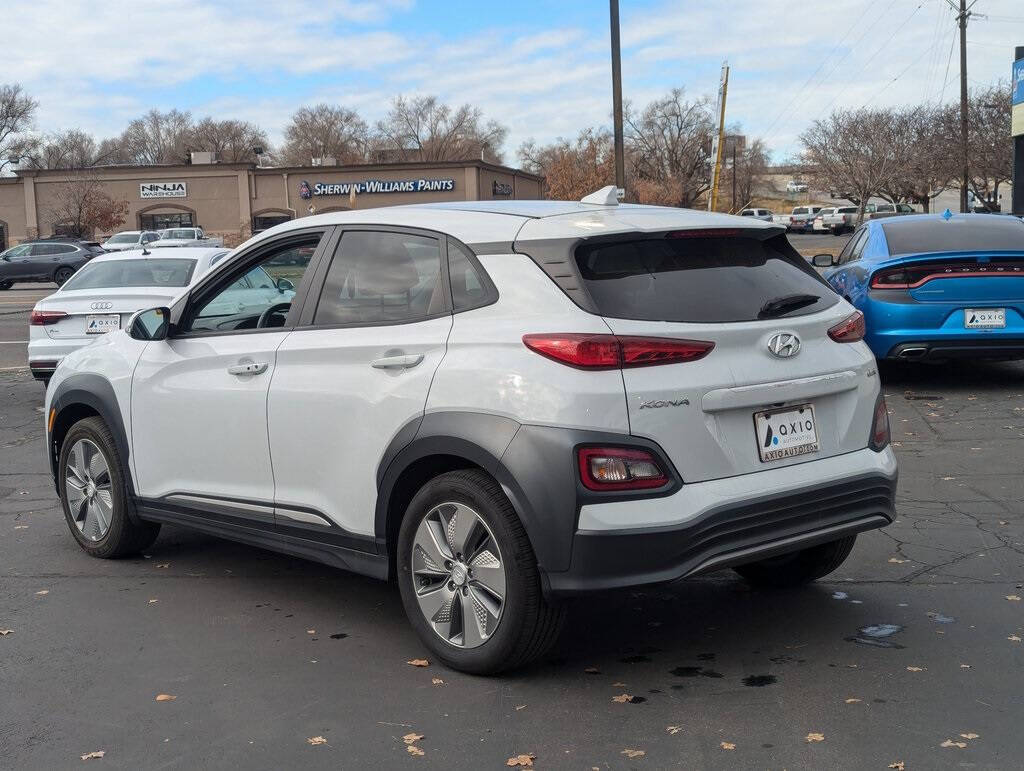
(606, 196)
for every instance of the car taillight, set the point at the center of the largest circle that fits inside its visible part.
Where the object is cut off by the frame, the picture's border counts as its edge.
(914, 275)
(849, 330)
(598, 351)
(880, 426)
(45, 318)
(619, 468)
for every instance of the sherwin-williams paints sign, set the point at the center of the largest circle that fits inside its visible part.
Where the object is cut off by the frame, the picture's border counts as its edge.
(309, 190)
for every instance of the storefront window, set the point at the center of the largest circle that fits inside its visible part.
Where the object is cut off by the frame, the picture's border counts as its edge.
(165, 221)
(264, 221)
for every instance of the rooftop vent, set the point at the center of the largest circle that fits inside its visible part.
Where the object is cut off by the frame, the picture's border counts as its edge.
(203, 158)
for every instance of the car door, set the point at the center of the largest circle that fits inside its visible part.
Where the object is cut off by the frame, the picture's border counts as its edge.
(199, 398)
(16, 262)
(354, 375)
(840, 278)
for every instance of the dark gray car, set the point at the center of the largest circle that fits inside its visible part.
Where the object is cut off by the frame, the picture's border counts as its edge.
(50, 260)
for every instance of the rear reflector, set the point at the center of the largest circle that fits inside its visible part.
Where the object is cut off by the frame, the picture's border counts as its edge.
(880, 426)
(45, 318)
(849, 330)
(615, 351)
(619, 468)
(914, 275)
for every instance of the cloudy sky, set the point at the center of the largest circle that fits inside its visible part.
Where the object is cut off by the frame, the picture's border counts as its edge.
(541, 68)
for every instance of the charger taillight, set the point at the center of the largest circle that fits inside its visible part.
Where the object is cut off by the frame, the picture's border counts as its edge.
(913, 275)
(849, 330)
(45, 318)
(619, 468)
(597, 351)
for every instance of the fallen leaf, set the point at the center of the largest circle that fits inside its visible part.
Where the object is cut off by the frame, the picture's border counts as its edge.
(592, 671)
(310, 631)
(951, 743)
(896, 561)
(633, 753)
(437, 681)
(97, 754)
(520, 706)
(970, 736)
(946, 479)
(163, 565)
(165, 697)
(523, 761)
(674, 729)
(418, 662)
(43, 591)
(5, 632)
(897, 765)
(815, 738)
(727, 746)
(414, 750)
(21, 527)
(853, 701)
(1011, 638)
(965, 666)
(1013, 598)
(315, 740)
(412, 738)
(622, 698)
(618, 685)
(916, 669)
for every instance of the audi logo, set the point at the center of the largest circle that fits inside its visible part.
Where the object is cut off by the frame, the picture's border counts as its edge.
(101, 306)
(784, 345)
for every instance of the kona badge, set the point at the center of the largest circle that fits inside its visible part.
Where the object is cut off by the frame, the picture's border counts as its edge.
(658, 403)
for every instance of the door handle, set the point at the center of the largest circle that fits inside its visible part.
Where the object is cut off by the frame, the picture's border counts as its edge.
(397, 362)
(252, 368)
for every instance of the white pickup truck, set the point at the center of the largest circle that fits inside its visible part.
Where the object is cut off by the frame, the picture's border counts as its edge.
(185, 237)
(845, 217)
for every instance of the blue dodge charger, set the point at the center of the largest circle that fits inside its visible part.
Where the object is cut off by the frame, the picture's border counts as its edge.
(936, 286)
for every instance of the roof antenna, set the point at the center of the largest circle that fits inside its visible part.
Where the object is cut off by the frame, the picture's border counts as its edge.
(606, 196)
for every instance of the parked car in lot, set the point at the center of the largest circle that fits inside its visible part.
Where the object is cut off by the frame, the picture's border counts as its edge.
(758, 214)
(936, 286)
(100, 297)
(878, 211)
(801, 219)
(185, 237)
(45, 260)
(841, 219)
(818, 221)
(795, 186)
(500, 404)
(130, 239)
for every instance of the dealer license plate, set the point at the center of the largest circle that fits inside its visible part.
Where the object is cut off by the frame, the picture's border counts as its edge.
(786, 433)
(100, 324)
(984, 318)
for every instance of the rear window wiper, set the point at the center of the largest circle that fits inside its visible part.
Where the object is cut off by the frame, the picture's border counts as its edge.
(780, 306)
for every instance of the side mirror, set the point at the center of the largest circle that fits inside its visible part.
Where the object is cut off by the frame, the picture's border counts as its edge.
(284, 285)
(823, 260)
(152, 324)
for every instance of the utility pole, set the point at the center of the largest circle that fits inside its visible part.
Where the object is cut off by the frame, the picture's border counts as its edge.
(733, 209)
(718, 138)
(620, 162)
(966, 172)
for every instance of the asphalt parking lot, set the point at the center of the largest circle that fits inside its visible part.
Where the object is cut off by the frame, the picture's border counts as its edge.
(911, 653)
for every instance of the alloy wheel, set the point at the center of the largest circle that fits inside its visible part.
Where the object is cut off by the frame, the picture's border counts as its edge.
(88, 489)
(458, 575)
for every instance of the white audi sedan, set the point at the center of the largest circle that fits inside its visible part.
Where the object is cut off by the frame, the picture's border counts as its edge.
(103, 294)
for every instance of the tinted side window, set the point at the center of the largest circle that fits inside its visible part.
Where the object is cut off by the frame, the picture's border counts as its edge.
(470, 286)
(846, 254)
(382, 277)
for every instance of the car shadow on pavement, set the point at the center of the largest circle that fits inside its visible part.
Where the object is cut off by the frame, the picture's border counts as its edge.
(955, 375)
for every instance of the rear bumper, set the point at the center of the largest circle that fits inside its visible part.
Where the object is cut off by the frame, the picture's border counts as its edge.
(44, 354)
(719, 528)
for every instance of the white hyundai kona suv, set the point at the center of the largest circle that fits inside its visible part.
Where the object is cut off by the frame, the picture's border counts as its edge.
(499, 405)
(103, 294)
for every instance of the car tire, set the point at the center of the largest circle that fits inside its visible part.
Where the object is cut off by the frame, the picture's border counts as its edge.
(5, 285)
(94, 495)
(62, 274)
(525, 627)
(800, 567)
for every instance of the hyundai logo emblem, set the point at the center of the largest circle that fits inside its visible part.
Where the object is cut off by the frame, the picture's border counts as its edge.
(101, 306)
(784, 345)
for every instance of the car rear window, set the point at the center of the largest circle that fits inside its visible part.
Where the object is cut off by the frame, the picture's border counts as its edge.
(974, 232)
(702, 279)
(111, 274)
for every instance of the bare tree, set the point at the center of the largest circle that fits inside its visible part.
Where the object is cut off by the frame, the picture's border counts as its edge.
(158, 137)
(423, 129)
(324, 131)
(17, 111)
(928, 162)
(670, 148)
(81, 206)
(855, 153)
(750, 171)
(989, 142)
(71, 149)
(232, 140)
(572, 169)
